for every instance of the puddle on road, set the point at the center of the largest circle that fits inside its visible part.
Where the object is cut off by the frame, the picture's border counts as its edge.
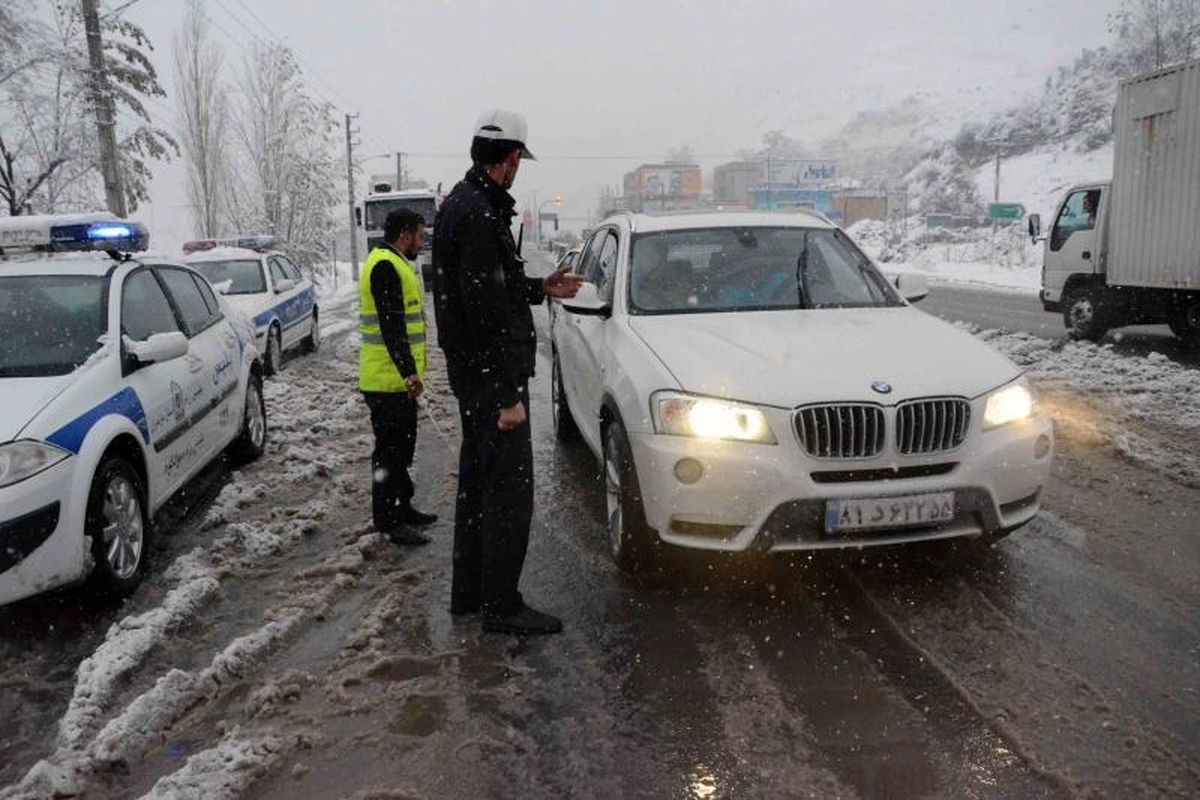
(420, 715)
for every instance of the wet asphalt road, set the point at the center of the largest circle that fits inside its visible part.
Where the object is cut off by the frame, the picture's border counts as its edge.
(1063, 662)
(1022, 311)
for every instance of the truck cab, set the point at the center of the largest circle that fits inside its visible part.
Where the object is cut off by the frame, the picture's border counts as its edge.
(1075, 249)
(383, 201)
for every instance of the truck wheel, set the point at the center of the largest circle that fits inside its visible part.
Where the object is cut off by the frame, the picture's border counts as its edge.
(1082, 314)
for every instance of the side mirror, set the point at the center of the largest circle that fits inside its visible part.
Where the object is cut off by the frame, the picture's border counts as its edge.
(912, 288)
(358, 216)
(223, 287)
(1035, 227)
(285, 285)
(588, 303)
(158, 348)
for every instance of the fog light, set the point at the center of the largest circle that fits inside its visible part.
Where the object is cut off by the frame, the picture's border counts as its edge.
(689, 470)
(1042, 448)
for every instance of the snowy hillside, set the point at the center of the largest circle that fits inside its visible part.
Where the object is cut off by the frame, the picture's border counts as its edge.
(1039, 178)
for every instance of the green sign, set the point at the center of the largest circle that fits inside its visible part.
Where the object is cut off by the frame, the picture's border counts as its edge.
(1003, 211)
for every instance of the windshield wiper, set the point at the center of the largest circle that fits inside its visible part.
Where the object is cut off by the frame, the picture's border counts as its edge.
(802, 276)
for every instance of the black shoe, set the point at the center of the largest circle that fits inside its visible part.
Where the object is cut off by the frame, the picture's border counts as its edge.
(463, 609)
(407, 538)
(526, 622)
(411, 516)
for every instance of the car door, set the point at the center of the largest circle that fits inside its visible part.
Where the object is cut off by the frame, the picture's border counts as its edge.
(288, 304)
(591, 332)
(161, 387)
(213, 378)
(566, 327)
(1073, 247)
(227, 374)
(303, 300)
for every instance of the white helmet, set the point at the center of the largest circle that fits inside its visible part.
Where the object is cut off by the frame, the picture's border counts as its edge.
(503, 126)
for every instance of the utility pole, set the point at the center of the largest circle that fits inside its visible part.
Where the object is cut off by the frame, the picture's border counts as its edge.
(399, 171)
(350, 195)
(106, 114)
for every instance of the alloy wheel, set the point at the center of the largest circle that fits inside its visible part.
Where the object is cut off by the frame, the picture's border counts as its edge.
(123, 531)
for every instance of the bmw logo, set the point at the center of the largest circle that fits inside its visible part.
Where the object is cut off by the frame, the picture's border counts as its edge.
(882, 387)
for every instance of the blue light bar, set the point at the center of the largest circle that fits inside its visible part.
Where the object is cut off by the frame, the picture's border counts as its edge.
(113, 235)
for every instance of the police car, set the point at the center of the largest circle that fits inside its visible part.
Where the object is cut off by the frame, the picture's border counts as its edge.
(263, 284)
(122, 377)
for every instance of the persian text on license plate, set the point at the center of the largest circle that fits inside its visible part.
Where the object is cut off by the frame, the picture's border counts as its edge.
(888, 512)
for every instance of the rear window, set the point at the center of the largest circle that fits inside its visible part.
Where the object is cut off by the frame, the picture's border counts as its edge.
(245, 276)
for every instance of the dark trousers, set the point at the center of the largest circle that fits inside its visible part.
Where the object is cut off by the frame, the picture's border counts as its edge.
(394, 420)
(494, 507)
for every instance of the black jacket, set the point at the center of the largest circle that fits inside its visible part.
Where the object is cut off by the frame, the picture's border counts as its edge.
(480, 293)
(388, 292)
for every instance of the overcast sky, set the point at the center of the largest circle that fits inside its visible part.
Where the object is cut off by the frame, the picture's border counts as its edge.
(608, 85)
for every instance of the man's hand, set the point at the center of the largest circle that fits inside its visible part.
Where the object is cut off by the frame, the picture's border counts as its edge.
(415, 387)
(511, 417)
(562, 284)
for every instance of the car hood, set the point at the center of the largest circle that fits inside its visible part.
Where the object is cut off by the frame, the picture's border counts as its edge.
(24, 399)
(791, 358)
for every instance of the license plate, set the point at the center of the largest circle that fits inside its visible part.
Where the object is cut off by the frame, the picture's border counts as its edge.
(888, 512)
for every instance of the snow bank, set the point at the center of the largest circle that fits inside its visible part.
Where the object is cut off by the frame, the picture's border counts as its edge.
(224, 771)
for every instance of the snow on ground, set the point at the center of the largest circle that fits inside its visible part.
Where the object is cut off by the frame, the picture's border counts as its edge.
(224, 771)
(1146, 407)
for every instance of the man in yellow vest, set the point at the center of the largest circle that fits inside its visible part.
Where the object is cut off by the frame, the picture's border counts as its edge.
(391, 371)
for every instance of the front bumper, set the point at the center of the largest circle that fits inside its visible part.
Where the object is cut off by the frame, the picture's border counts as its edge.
(41, 533)
(772, 498)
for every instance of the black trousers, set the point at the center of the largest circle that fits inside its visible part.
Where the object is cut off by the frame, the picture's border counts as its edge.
(394, 420)
(494, 507)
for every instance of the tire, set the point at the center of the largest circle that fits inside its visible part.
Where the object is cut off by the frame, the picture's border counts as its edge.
(273, 358)
(312, 342)
(564, 424)
(118, 526)
(631, 542)
(252, 441)
(1083, 314)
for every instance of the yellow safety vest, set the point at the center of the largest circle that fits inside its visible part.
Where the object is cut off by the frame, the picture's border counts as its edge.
(376, 370)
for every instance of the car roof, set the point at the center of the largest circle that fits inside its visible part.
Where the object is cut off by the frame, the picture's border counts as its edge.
(227, 254)
(793, 218)
(25, 264)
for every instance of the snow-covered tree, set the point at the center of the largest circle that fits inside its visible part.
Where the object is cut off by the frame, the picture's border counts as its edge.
(285, 173)
(203, 118)
(1156, 33)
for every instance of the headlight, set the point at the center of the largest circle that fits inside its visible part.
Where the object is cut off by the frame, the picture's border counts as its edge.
(24, 459)
(680, 415)
(1013, 403)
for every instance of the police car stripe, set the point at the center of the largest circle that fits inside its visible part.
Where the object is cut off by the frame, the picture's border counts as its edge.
(125, 403)
(309, 298)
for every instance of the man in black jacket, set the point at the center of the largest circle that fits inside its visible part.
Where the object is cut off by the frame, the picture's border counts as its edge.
(485, 327)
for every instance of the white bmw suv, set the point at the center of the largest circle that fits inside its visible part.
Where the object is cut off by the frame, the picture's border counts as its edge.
(751, 381)
(122, 377)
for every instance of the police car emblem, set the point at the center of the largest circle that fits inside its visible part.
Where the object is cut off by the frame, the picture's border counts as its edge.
(882, 387)
(177, 403)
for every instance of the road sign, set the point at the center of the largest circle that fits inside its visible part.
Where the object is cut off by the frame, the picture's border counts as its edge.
(1005, 211)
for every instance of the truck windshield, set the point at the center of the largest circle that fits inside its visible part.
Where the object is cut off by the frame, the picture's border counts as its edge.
(378, 210)
(752, 269)
(49, 324)
(246, 275)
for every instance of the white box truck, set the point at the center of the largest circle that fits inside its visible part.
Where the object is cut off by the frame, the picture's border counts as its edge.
(1127, 252)
(382, 201)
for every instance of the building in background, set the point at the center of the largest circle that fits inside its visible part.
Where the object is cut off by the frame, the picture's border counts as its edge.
(855, 205)
(663, 187)
(733, 182)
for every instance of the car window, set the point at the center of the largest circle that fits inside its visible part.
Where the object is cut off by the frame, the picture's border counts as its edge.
(290, 269)
(604, 268)
(145, 309)
(50, 324)
(189, 301)
(588, 254)
(1077, 214)
(277, 272)
(210, 298)
(245, 276)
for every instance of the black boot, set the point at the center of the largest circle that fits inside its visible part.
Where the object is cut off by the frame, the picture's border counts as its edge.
(525, 622)
(411, 516)
(407, 537)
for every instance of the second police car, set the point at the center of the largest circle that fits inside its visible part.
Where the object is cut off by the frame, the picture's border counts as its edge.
(267, 287)
(122, 377)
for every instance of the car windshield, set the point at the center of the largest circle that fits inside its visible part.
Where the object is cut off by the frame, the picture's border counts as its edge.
(752, 269)
(246, 275)
(378, 210)
(49, 325)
